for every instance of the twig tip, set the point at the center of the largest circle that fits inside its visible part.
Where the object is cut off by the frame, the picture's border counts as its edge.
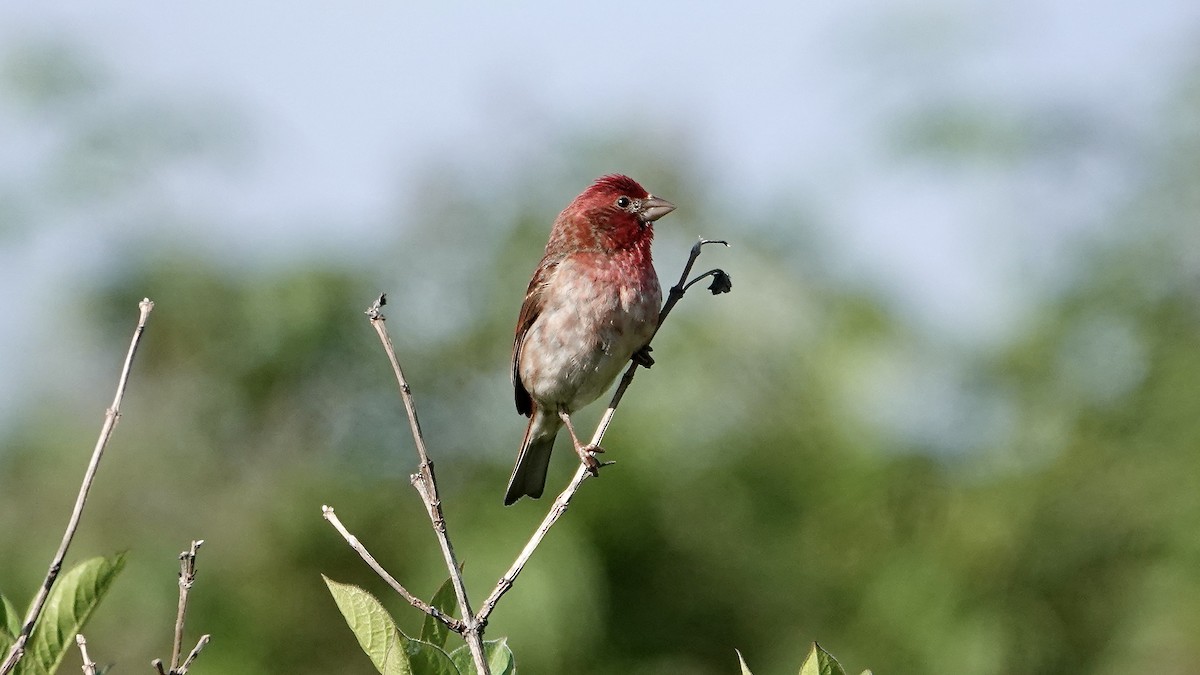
(721, 282)
(375, 311)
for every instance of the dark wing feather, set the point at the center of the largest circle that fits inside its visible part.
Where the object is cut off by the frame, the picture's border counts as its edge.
(530, 309)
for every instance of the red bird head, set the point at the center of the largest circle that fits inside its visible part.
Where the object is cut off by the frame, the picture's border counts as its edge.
(614, 213)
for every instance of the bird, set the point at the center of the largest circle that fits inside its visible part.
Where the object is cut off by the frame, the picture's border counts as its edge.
(591, 306)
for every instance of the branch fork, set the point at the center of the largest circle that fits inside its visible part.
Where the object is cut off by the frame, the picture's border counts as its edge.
(187, 577)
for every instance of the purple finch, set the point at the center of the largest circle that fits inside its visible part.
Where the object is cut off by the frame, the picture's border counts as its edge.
(592, 304)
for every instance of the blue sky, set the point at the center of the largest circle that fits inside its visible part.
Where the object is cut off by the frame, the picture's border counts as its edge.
(341, 96)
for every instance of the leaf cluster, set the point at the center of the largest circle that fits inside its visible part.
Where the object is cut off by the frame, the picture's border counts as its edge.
(394, 653)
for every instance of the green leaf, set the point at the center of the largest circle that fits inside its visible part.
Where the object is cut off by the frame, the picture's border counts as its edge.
(745, 668)
(428, 659)
(373, 626)
(499, 658)
(10, 621)
(433, 631)
(74, 596)
(820, 662)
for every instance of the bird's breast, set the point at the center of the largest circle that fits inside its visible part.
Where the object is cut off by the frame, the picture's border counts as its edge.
(597, 311)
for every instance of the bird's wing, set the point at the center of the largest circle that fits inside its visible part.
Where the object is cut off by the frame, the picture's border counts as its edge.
(534, 300)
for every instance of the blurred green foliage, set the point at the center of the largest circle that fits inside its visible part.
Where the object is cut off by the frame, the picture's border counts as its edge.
(756, 503)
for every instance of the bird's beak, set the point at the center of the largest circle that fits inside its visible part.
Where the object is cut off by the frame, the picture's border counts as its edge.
(654, 208)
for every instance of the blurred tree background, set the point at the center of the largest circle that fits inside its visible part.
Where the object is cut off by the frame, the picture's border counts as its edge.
(806, 462)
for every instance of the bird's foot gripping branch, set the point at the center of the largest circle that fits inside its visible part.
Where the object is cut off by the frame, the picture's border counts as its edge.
(388, 647)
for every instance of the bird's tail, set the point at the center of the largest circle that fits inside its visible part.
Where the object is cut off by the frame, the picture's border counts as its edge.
(529, 475)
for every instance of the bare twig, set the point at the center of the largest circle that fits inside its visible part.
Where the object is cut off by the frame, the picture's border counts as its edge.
(582, 473)
(89, 666)
(426, 486)
(677, 291)
(558, 508)
(187, 577)
(110, 422)
(451, 623)
(191, 657)
(187, 663)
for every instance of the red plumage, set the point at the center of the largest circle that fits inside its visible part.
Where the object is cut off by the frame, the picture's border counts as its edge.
(592, 303)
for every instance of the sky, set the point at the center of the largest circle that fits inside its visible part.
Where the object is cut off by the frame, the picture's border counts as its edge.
(346, 98)
(343, 102)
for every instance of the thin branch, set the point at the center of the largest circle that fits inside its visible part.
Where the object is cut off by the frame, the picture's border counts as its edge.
(451, 622)
(680, 288)
(187, 577)
(426, 486)
(582, 473)
(558, 508)
(110, 421)
(89, 666)
(200, 644)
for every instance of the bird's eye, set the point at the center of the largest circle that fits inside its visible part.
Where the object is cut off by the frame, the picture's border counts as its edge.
(623, 203)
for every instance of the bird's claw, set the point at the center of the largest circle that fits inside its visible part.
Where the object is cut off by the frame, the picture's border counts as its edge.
(591, 464)
(587, 455)
(642, 357)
